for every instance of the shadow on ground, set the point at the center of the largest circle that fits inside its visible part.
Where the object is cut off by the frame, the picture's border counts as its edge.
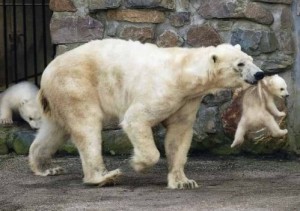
(235, 183)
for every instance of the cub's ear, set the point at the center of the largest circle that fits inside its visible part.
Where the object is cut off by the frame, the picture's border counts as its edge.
(269, 80)
(238, 46)
(214, 58)
(23, 102)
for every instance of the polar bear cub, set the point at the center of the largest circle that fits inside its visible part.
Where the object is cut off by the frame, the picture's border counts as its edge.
(20, 99)
(259, 108)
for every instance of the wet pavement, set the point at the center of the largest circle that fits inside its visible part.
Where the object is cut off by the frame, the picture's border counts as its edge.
(231, 183)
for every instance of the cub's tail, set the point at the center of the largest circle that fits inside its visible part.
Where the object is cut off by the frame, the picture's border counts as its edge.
(44, 103)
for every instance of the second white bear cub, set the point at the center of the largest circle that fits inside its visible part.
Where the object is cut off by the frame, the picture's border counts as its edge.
(259, 108)
(20, 99)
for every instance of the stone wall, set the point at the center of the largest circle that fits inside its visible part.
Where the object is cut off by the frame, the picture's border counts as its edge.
(264, 29)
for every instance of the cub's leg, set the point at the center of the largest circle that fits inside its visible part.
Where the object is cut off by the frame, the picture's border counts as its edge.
(272, 125)
(84, 123)
(240, 132)
(177, 144)
(5, 113)
(49, 138)
(138, 129)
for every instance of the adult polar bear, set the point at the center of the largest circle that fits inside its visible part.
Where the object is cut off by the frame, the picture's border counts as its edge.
(140, 85)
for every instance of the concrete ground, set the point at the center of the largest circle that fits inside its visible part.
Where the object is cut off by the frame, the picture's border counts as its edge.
(234, 183)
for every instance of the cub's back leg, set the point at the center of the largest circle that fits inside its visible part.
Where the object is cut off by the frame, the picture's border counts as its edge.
(240, 132)
(49, 138)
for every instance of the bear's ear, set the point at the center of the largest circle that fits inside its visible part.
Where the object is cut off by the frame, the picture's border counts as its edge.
(238, 46)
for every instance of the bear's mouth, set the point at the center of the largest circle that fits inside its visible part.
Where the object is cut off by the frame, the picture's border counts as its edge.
(251, 82)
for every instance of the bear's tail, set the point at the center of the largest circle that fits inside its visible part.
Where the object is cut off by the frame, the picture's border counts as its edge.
(44, 103)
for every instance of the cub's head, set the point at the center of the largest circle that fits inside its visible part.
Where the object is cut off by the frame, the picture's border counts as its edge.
(30, 112)
(276, 86)
(233, 67)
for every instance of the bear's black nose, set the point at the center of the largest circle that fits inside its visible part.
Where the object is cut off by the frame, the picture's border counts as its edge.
(259, 75)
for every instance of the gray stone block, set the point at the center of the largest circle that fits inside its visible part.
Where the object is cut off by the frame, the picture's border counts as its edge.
(104, 4)
(203, 36)
(70, 28)
(165, 4)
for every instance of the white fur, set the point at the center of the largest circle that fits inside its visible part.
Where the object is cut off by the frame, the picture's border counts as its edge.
(259, 108)
(20, 98)
(139, 85)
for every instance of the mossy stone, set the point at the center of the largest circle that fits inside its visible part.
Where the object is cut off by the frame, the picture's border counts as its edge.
(116, 142)
(68, 148)
(20, 141)
(3, 141)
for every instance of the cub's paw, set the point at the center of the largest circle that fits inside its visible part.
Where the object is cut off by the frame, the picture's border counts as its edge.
(104, 179)
(185, 184)
(281, 114)
(6, 121)
(280, 133)
(284, 132)
(237, 143)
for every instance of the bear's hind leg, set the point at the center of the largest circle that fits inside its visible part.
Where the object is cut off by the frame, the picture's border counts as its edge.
(85, 128)
(87, 139)
(49, 138)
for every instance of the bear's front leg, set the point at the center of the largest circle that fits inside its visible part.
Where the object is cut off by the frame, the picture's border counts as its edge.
(137, 126)
(177, 144)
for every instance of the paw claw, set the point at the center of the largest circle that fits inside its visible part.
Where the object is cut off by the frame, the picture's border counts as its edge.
(6, 121)
(188, 184)
(51, 172)
(106, 178)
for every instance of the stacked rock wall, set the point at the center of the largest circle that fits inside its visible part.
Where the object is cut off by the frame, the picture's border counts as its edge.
(264, 29)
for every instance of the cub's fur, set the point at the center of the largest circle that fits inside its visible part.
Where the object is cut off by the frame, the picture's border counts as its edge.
(259, 108)
(139, 85)
(21, 99)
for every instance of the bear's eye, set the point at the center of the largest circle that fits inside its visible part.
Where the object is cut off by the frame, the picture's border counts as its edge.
(30, 118)
(241, 64)
(281, 89)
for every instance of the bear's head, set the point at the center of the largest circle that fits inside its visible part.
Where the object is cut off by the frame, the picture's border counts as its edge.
(233, 67)
(276, 86)
(30, 112)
